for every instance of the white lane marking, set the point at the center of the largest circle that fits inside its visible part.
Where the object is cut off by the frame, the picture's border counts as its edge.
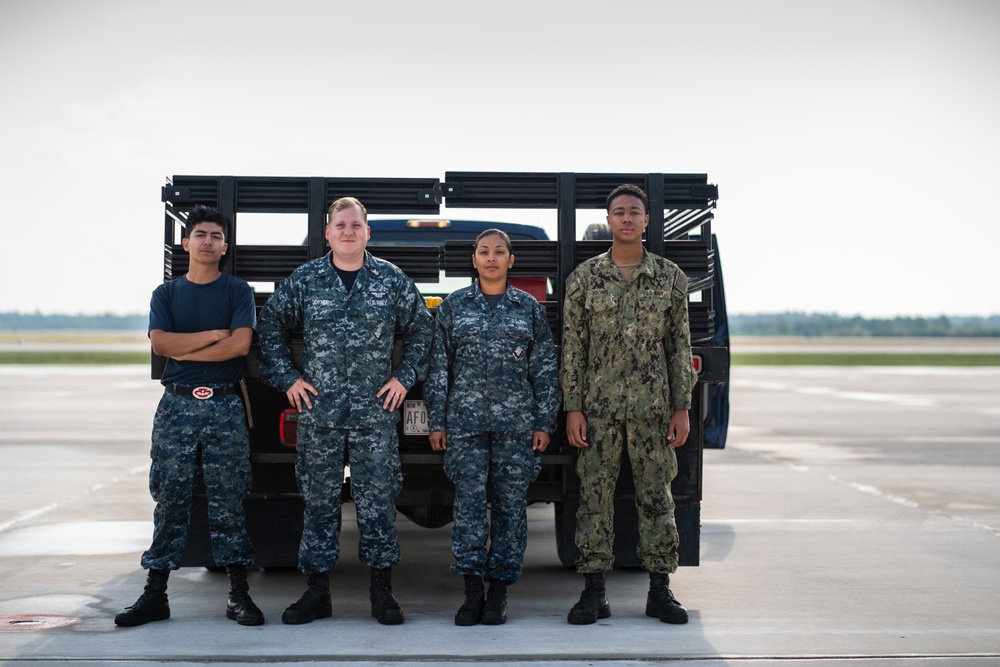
(817, 391)
(871, 490)
(868, 396)
(906, 502)
(885, 398)
(39, 511)
(709, 521)
(875, 491)
(28, 514)
(931, 371)
(746, 435)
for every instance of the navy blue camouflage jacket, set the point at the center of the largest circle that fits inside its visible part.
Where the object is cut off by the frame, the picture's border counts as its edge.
(492, 370)
(348, 339)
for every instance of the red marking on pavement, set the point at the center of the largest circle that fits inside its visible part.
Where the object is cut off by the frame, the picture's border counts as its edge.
(36, 622)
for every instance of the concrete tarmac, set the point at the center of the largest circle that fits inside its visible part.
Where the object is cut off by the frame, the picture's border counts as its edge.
(854, 518)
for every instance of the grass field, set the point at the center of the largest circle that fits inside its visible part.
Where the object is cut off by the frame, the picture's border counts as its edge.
(131, 347)
(73, 357)
(74, 347)
(72, 337)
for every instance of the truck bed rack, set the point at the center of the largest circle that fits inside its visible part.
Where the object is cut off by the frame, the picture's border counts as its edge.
(681, 210)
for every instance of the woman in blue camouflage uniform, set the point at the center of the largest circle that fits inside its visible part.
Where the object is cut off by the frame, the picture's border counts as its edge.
(492, 396)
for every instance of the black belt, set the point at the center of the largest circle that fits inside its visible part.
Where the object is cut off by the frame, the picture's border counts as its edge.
(202, 392)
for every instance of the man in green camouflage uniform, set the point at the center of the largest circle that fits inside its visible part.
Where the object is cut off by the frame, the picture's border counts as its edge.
(627, 378)
(203, 323)
(349, 305)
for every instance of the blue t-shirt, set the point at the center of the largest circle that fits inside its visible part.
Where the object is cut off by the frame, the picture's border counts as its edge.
(180, 306)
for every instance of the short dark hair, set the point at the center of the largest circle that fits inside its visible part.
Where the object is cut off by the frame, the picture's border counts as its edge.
(202, 214)
(628, 189)
(494, 232)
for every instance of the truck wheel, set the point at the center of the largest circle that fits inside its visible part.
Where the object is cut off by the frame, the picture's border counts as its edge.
(428, 516)
(565, 532)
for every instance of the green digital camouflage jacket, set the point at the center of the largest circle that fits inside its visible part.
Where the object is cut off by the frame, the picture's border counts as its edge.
(626, 346)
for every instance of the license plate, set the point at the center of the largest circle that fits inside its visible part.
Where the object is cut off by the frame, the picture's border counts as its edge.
(415, 418)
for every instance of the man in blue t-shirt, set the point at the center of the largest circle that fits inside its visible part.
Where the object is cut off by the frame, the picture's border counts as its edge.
(203, 322)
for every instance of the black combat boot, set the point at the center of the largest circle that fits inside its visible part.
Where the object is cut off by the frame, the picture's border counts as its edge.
(495, 611)
(240, 607)
(151, 605)
(314, 603)
(385, 609)
(661, 603)
(593, 602)
(471, 610)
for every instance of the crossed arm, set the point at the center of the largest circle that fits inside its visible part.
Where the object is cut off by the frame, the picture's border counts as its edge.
(211, 345)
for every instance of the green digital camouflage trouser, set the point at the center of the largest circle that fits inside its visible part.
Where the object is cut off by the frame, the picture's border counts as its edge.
(654, 466)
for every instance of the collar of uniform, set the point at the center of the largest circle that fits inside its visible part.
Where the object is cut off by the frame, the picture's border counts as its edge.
(648, 266)
(473, 291)
(607, 265)
(328, 266)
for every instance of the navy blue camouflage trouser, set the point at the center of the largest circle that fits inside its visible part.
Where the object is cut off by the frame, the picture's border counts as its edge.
(507, 460)
(182, 426)
(376, 479)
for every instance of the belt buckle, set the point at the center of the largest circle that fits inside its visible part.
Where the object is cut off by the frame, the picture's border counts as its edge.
(202, 393)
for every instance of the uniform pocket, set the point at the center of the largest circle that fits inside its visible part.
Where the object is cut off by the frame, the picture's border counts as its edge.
(468, 328)
(516, 348)
(654, 301)
(318, 310)
(516, 339)
(599, 300)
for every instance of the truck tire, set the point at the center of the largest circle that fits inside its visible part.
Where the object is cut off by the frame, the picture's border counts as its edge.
(687, 514)
(626, 533)
(565, 529)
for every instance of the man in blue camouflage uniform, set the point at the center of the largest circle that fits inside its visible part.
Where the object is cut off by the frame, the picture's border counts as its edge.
(492, 396)
(349, 305)
(203, 323)
(627, 378)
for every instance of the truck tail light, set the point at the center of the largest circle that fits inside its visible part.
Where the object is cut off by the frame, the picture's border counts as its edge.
(288, 428)
(696, 362)
(428, 224)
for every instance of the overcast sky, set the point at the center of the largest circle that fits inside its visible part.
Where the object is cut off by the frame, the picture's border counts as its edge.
(856, 144)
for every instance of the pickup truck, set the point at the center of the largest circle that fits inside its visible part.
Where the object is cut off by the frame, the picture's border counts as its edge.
(433, 247)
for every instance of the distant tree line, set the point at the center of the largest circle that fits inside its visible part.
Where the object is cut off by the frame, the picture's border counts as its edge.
(778, 324)
(106, 321)
(818, 324)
